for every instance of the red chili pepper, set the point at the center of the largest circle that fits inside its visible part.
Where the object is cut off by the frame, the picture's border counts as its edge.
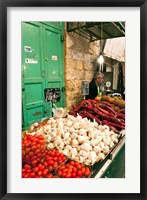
(120, 115)
(104, 111)
(108, 108)
(82, 115)
(113, 124)
(114, 119)
(98, 112)
(113, 129)
(106, 103)
(89, 115)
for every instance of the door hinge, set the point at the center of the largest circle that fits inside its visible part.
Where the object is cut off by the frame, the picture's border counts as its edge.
(62, 38)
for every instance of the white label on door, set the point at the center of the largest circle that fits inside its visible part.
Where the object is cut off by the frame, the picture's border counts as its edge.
(31, 61)
(28, 49)
(54, 58)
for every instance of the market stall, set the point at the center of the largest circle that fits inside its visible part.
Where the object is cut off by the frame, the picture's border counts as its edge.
(81, 143)
(65, 133)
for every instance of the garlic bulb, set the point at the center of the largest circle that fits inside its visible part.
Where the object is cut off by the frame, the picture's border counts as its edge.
(76, 125)
(101, 145)
(50, 146)
(106, 140)
(74, 151)
(114, 139)
(83, 153)
(48, 138)
(76, 158)
(68, 147)
(111, 144)
(106, 150)
(100, 156)
(66, 152)
(97, 149)
(87, 162)
(92, 156)
(71, 130)
(74, 135)
(72, 156)
(99, 138)
(81, 159)
(87, 147)
(69, 123)
(66, 135)
(32, 127)
(94, 142)
(81, 139)
(101, 127)
(82, 131)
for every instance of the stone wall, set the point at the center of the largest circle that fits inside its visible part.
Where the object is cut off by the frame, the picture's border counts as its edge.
(80, 64)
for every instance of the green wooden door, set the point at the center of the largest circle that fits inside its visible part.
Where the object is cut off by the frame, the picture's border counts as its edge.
(53, 49)
(42, 67)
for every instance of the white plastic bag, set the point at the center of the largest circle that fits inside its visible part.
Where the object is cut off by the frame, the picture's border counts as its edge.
(58, 112)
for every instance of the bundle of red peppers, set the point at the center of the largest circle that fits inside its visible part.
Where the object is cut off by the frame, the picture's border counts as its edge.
(102, 112)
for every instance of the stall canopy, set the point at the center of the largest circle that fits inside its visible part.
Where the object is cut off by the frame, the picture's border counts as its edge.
(115, 49)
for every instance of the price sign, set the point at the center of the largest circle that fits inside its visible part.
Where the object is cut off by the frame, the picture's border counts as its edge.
(52, 94)
(85, 87)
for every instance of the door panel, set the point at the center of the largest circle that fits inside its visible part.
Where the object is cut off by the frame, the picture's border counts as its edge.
(42, 67)
(33, 73)
(54, 62)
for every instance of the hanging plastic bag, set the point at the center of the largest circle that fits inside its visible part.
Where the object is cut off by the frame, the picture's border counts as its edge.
(59, 112)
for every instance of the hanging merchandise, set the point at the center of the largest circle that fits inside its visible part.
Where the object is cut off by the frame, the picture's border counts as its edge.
(120, 80)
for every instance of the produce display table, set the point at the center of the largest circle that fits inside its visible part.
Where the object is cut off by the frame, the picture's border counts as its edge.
(114, 165)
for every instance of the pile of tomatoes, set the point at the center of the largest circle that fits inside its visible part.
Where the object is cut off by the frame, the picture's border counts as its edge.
(33, 149)
(73, 170)
(40, 171)
(38, 162)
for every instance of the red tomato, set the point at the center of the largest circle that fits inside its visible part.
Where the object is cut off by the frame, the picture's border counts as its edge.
(42, 168)
(59, 172)
(73, 175)
(40, 165)
(31, 154)
(34, 158)
(26, 176)
(27, 150)
(50, 168)
(36, 169)
(55, 165)
(63, 174)
(45, 172)
(69, 170)
(71, 163)
(34, 162)
(37, 151)
(57, 153)
(68, 175)
(32, 175)
(28, 170)
(45, 163)
(39, 173)
(87, 172)
(74, 169)
(27, 166)
(55, 158)
(83, 170)
(49, 176)
(51, 162)
(79, 173)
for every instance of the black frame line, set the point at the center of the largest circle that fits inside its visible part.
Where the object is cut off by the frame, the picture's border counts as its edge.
(4, 4)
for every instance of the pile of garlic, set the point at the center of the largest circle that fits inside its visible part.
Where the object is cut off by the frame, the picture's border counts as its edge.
(79, 139)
